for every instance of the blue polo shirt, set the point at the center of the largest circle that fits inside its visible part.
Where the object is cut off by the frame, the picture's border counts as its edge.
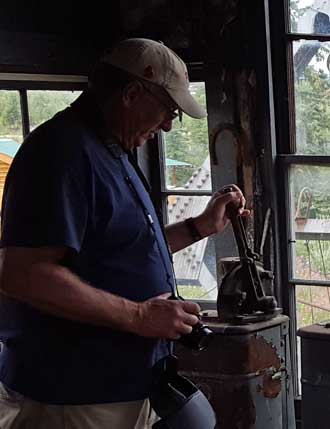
(67, 188)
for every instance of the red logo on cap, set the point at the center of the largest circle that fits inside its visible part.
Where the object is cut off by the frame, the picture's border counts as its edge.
(148, 72)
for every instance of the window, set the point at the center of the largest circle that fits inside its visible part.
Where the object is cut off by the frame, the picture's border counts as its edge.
(304, 154)
(24, 106)
(186, 188)
(43, 104)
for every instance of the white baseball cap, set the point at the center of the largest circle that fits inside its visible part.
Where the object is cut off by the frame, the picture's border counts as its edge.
(156, 63)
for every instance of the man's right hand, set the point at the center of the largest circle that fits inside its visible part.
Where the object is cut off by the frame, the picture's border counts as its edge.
(160, 317)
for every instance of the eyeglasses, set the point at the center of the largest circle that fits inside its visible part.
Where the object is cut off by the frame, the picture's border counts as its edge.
(173, 112)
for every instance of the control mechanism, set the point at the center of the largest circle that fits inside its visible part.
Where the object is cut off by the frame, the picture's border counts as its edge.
(242, 298)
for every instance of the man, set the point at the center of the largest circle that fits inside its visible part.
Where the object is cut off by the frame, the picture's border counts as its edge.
(86, 271)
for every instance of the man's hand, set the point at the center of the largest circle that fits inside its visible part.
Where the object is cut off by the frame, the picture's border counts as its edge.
(164, 318)
(215, 217)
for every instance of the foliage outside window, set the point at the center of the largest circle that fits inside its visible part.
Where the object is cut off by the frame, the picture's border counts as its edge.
(10, 116)
(41, 106)
(187, 144)
(310, 183)
(308, 161)
(44, 104)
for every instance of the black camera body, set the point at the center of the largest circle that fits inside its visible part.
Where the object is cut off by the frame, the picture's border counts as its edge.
(200, 336)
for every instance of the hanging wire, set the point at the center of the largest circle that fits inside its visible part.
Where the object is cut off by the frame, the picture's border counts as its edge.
(208, 291)
(324, 268)
(322, 259)
(310, 277)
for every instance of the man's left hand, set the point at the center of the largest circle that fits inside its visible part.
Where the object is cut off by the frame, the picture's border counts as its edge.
(215, 216)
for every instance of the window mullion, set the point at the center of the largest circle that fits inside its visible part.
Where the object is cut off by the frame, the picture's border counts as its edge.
(305, 159)
(24, 112)
(161, 161)
(293, 337)
(187, 193)
(303, 282)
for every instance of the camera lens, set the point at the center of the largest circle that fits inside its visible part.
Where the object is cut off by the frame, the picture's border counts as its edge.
(199, 338)
(203, 336)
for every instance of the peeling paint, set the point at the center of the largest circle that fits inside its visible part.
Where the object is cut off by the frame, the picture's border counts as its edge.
(241, 373)
(271, 388)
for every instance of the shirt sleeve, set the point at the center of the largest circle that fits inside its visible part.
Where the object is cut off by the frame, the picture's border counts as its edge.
(46, 196)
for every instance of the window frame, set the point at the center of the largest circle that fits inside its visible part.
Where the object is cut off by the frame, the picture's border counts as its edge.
(281, 42)
(197, 73)
(27, 82)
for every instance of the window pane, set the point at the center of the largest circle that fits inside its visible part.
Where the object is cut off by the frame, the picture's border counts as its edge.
(11, 134)
(44, 104)
(187, 161)
(311, 221)
(10, 116)
(310, 16)
(312, 88)
(313, 304)
(194, 266)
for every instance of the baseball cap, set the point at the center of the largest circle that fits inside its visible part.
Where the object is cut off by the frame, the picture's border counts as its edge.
(156, 63)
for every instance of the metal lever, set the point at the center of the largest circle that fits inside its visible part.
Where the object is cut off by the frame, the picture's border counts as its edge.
(247, 256)
(239, 232)
(241, 292)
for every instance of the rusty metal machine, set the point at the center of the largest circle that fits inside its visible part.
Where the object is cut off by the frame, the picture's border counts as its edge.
(242, 298)
(245, 371)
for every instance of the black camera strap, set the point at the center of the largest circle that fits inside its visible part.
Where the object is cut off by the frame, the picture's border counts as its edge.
(87, 109)
(118, 153)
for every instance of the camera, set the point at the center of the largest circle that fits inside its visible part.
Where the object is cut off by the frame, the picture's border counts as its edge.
(200, 336)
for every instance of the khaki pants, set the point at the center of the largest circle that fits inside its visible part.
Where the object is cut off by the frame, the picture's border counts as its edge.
(18, 412)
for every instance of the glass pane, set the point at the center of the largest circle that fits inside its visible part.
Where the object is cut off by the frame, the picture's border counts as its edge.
(312, 88)
(44, 104)
(10, 116)
(194, 266)
(310, 16)
(313, 304)
(11, 134)
(310, 221)
(187, 160)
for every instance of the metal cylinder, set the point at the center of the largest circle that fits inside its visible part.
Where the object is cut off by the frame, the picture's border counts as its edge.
(244, 374)
(315, 376)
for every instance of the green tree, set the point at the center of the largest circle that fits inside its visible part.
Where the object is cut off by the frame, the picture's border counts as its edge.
(10, 113)
(313, 112)
(42, 106)
(188, 142)
(45, 104)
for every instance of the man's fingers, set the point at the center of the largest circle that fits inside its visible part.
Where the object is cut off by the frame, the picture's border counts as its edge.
(182, 329)
(190, 307)
(244, 212)
(185, 329)
(232, 191)
(190, 319)
(228, 188)
(235, 197)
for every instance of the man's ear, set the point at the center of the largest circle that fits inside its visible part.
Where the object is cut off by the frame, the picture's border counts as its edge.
(132, 93)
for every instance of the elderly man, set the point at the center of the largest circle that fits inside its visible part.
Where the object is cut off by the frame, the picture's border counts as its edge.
(86, 268)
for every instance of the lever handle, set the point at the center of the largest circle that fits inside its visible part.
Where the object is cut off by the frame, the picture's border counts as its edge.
(238, 228)
(236, 221)
(232, 211)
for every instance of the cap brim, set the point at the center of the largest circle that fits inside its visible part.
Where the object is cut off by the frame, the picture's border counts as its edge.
(187, 103)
